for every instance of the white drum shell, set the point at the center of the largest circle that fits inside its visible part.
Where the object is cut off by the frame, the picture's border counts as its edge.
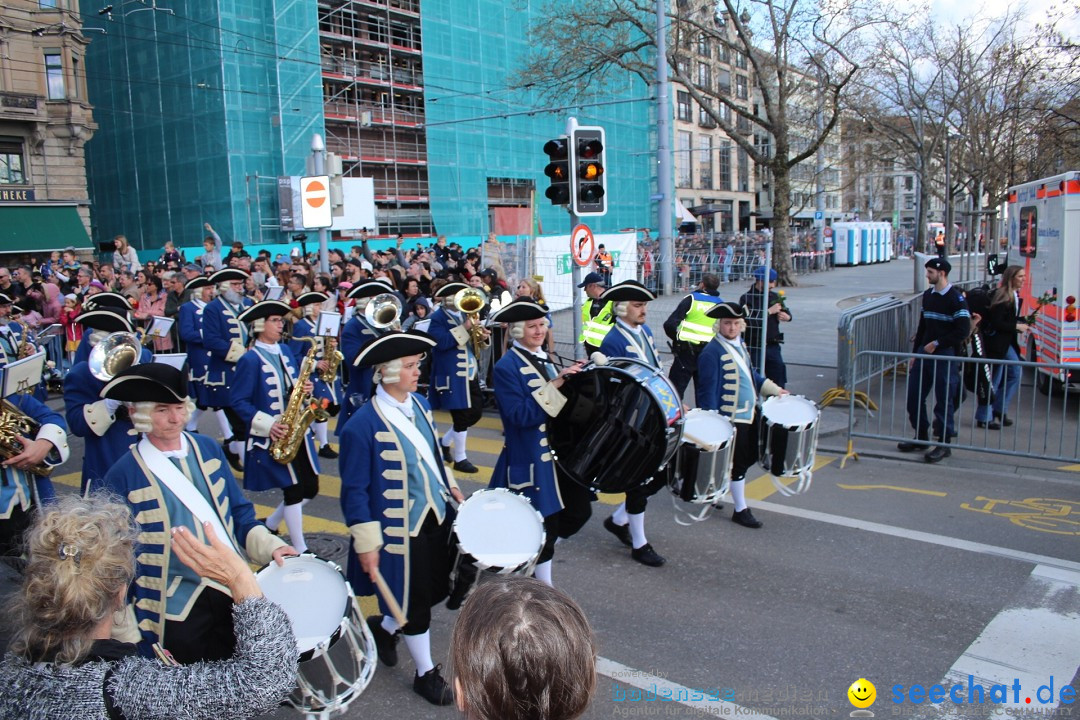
(704, 458)
(789, 430)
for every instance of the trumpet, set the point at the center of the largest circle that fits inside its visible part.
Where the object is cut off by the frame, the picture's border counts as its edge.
(115, 353)
(470, 301)
(384, 312)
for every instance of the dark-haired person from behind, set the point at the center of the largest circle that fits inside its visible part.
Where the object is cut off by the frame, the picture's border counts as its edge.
(62, 663)
(522, 650)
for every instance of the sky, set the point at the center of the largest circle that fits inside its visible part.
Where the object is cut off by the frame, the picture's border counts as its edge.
(1032, 11)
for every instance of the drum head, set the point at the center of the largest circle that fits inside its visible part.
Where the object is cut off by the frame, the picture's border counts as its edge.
(499, 528)
(312, 593)
(708, 430)
(790, 411)
(621, 423)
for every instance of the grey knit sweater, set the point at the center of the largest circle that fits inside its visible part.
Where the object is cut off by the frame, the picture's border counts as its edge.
(255, 680)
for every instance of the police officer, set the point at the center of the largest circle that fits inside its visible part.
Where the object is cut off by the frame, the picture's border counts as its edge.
(689, 329)
(776, 312)
(597, 317)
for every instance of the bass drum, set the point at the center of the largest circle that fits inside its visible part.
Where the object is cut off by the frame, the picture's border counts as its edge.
(621, 424)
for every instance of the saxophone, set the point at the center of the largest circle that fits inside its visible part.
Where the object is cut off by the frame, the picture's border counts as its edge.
(333, 359)
(301, 411)
(13, 422)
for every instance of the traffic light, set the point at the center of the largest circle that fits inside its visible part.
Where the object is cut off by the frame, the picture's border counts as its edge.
(558, 170)
(337, 193)
(590, 181)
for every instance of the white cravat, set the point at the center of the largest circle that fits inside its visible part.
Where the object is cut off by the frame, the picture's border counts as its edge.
(406, 407)
(272, 348)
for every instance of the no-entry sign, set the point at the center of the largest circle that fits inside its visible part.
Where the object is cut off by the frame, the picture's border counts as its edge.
(582, 245)
(315, 202)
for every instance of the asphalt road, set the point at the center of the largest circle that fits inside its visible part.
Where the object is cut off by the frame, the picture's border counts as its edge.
(888, 569)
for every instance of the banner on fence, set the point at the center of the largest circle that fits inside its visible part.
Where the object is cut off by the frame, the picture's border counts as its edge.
(554, 264)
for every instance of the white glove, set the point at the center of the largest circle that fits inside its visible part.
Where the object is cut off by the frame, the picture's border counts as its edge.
(112, 405)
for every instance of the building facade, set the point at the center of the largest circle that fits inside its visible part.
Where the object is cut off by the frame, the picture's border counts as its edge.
(714, 177)
(202, 106)
(45, 120)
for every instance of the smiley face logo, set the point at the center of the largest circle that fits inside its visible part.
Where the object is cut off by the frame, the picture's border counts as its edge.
(862, 693)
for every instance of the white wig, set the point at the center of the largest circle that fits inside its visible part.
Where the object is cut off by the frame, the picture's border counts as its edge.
(517, 329)
(141, 413)
(388, 373)
(621, 308)
(97, 336)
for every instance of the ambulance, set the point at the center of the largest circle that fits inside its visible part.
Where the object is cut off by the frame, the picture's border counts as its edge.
(1044, 237)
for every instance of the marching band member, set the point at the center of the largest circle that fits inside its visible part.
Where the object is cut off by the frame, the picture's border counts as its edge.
(265, 377)
(173, 479)
(730, 385)
(102, 301)
(527, 386)
(357, 333)
(102, 423)
(227, 338)
(455, 377)
(311, 304)
(396, 503)
(631, 337)
(21, 490)
(190, 328)
(12, 334)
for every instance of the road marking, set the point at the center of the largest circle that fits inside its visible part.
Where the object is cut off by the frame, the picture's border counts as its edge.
(925, 537)
(1044, 614)
(897, 488)
(1070, 468)
(663, 688)
(312, 523)
(1043, 514)
(762, 487)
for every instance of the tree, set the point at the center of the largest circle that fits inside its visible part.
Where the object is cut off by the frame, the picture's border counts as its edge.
(801, 58)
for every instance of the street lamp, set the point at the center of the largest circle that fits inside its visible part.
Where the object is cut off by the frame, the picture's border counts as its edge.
(949, 223)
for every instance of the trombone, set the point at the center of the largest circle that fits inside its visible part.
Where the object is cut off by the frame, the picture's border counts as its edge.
(115, 353)
(383, 312)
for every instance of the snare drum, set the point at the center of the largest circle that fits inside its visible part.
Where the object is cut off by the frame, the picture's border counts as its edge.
(703, 462)
(496, 531)
(789, 439)
(621, 424)
(336, 649)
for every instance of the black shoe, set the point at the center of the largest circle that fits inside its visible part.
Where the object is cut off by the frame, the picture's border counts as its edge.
(465, 466)
(233, 458)
(909, 446)
(385, 643)
(620, 531)
(433, 688)
(937, 454)
(745, 518)
(647, 556)
(328, 452)
(446, 456)
(992, 425)
(1005, 421)
(718, 505)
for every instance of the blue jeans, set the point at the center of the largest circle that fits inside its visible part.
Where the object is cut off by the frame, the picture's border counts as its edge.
(938, 372)
(1005, 381)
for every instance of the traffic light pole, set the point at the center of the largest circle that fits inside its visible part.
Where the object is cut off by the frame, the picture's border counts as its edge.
(319, 162)
(575, 270)
(664, 172)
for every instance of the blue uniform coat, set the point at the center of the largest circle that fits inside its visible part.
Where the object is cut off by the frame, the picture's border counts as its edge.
(355, 335)
(260, 396)
(452, 362)
(190, 322)
(718, 381)
(620, 342)
(225, 337)
(525, 464)
(22, 489)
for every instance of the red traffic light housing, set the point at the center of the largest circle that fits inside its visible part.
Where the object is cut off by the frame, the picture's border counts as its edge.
(590, 181)
(558, 170)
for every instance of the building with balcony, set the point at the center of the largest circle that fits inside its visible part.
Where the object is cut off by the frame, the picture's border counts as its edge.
(714, 177)
(45, 120)
(202, 106)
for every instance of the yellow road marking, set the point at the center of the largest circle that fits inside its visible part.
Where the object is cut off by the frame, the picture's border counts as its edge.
(897, 488)
(1070, 468)
(70, 479)
(762, 487)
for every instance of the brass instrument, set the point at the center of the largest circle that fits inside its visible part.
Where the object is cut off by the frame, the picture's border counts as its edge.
(333, 358)
(301, 411)
(116, 352)
(13, 423)
(470, 301)
(384, 312)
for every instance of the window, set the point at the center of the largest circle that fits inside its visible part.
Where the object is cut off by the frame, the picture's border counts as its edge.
(723, 82)
(741, 88)
(12, 171)
(723, 54)
(683, 105)
(54, 76)
(705, 163)
(740, 60)
(686, 164)
(49, 4)
(1029, 231)
(744, 171)
(909, 182)
(76, 91)
(683, 68)
(742, 125)
(703, 45)
(704, 76)
(705, 119)
(725, 165)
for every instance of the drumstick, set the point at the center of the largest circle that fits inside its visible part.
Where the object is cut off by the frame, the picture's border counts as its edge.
(389, 599)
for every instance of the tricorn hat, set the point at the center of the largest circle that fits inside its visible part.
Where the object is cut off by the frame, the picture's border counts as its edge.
(148, 382)
(392, 346)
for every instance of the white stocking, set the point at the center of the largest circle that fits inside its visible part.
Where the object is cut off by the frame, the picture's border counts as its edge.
(420, 649)
(738, 494)
(620, 516)
(459, 445)
(542, 572)
(274, 521)
(193, 422)
(223, 423)
(320, 433)
(637, 529)
(294, 519)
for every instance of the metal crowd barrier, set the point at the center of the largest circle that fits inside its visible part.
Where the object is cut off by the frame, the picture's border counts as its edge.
(691, 265)
(1043, 426)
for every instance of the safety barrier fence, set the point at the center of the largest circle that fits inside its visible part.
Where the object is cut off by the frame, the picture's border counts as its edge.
(1027, 424)
(737, 267)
